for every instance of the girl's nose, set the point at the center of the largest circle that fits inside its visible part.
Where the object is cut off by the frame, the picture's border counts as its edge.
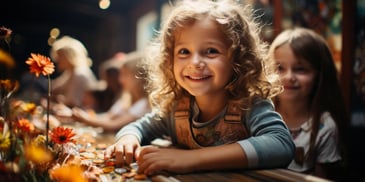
(197, 61)
(289, 75)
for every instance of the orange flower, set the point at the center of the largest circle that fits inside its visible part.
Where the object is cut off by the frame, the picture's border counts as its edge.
(37, 154)
(67, 173)
(24, 125)
(40, 64)
(61, 135)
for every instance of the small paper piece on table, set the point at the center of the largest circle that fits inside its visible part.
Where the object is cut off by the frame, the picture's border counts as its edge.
(161, 142)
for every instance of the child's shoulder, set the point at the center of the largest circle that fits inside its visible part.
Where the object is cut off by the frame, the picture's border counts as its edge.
(262, 102)
(327, 121)
(259, 106)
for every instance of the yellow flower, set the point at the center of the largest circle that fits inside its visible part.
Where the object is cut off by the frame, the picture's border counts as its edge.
(4, 141)
(40, 140)
(29, 107)
(40, 64)
(37, 154)
(68, 173)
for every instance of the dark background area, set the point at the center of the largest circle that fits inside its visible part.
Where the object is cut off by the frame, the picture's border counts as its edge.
(104, 32)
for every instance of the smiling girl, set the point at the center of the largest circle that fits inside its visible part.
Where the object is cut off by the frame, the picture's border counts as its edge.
(210, 87)
(312, 104)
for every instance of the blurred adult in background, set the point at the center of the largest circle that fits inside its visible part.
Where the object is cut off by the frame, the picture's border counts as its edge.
(312, 104)
(76, 76)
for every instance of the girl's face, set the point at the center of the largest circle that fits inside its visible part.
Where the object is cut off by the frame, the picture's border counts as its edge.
(202, 63)
(298, 77)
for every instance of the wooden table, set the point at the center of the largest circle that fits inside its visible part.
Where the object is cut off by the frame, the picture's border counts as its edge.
(271, 175)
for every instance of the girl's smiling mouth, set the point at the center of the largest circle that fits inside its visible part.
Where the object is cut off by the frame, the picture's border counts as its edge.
(198, 78)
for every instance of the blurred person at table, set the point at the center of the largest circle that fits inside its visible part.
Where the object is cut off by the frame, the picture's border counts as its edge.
(76, 76)
(109, 72)
(210, 87)
(133, 104)
(312, 104)
(100, 99)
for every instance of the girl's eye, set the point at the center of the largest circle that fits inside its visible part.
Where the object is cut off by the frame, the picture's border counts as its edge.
(211, 51)
(183, 51)
(280, 68)
(300, 69)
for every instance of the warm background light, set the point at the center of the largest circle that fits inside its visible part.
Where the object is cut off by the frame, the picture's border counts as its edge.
(53, 34)
(104, 4)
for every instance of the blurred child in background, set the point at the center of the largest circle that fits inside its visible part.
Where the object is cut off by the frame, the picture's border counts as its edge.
(132, 105)
(76, 76)
(312, 104)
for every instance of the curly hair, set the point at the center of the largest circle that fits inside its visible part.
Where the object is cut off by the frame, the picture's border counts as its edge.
(254, 74)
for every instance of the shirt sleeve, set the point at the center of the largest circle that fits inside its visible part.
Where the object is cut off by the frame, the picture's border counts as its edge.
(270, 144)
(117, 108)
(147, 128)
(139, 108)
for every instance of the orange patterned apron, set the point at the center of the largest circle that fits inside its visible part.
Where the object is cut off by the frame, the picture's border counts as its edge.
(229, 129)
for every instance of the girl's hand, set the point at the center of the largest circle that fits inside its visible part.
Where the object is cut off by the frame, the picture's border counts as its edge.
(124, 150)
(153, 160)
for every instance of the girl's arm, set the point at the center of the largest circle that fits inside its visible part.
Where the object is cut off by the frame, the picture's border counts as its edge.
(146, 128)
(111, 122)
(270, 144)
(230, 156)
(103, 120)
(152, 160)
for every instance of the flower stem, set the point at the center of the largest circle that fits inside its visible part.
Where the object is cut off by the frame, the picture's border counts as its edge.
(48, 108)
